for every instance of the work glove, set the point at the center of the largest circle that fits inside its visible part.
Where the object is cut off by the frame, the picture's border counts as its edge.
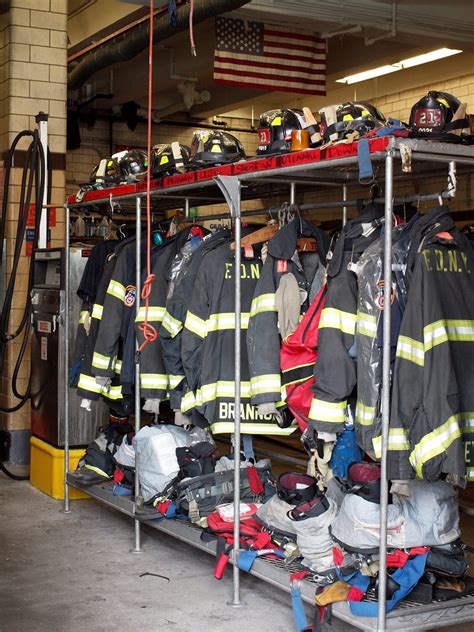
(104, 382)
(86, 404)
(270, 409)
(152, 406)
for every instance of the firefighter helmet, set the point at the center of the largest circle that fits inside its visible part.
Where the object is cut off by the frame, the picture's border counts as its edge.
(433, 115)
(169, 159)
(133, 165)
(214, 147)
(274, 130)
(361, 117)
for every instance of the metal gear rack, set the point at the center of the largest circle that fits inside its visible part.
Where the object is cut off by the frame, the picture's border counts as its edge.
(332, 166)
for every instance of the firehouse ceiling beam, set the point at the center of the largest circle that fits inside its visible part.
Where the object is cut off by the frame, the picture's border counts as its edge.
(125, 48)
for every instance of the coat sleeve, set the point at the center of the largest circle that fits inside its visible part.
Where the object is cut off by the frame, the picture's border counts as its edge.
(170, 336)
(194, 331)
(335, 369)
(119, 294)
(263, 340)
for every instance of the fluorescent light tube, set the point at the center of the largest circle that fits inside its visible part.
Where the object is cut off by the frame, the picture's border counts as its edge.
(434, 55)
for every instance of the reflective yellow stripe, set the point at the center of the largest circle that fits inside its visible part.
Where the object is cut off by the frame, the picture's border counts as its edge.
(83, 316)
(171, 324)
(470, 474)
(195, 324)
(468, 422)
(365, 415)
(154, 381)
(88, 383)
(411, 350)
(435, 443)
(97, 311)
(266, 384)
(155, 314)
(448, 330)
(226, 320)
(334, 412)
(175, 380)
(397, 440)
(100, 361)
(337, 319)
(114, 392)
(188, 401)
(263, 303)
(116, 289)
(227, 427)
(366, 325)
(95, 469)
(221, 388)
(118, 367)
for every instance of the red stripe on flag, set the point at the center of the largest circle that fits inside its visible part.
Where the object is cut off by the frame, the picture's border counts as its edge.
(261, 75)
(308, 60)
(260, 64)
(270, 88)
(308, 38)
(293, 46)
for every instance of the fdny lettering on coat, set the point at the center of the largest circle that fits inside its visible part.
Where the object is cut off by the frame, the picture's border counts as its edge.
(247, 271)
(247, 412)
(445, 261)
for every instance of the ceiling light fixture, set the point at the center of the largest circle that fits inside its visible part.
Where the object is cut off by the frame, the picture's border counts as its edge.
(439, 53)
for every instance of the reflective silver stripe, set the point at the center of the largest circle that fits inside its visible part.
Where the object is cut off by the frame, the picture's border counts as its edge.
(397, 441)
(366, 325)
(219, 322)
(171, 324)
(155, 314)
(435, 443)
(100, 361)
(411, 350)
(154, 381)
(333, 412)
(97, 311)
(253, 428)
(263, 303)
(338, 319)
(116, 289)
(365, 415)
(195, 324)
(445, 330)
(83, 316)
(88, 383)
(175, 380)
(266, 384)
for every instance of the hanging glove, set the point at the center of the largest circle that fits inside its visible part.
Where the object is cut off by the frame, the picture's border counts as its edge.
(152, 406)
(270, 409)
(104, 382)
(86, 404)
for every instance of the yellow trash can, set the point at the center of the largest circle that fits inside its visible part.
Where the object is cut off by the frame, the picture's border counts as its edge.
(47, 469)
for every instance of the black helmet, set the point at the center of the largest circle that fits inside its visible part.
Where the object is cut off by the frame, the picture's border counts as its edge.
(361, 117)
(169, 159)
(106, 172)
(274, 130)
(432, 115)
(213, 147)
(133, 165)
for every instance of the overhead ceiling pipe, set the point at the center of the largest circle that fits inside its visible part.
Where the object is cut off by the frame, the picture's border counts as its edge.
(125, 48)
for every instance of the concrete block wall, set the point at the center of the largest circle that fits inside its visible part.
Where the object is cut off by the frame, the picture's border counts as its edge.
(33, 77)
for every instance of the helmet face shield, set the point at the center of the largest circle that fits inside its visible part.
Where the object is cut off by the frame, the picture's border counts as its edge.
(133, 165)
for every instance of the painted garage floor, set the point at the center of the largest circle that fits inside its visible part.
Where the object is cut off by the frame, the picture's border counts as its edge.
(67, 573)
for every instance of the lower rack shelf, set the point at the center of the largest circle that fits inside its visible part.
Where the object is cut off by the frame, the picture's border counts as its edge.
(408, 616)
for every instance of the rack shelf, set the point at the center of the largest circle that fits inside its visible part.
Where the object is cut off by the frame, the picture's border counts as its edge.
(335, 166)
(409, 616)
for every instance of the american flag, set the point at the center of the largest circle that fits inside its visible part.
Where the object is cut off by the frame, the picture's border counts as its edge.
(268, 57)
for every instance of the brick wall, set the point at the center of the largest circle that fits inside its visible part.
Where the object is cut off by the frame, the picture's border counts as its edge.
(33, 76)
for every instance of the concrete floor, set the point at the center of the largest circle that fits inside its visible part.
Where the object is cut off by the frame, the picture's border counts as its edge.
(66, 573)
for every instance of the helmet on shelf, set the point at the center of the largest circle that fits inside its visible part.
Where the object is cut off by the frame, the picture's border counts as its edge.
(433, 115)
(132, 164)
(214, 147)
(169, 159)
(274, 130)
(361, 117)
